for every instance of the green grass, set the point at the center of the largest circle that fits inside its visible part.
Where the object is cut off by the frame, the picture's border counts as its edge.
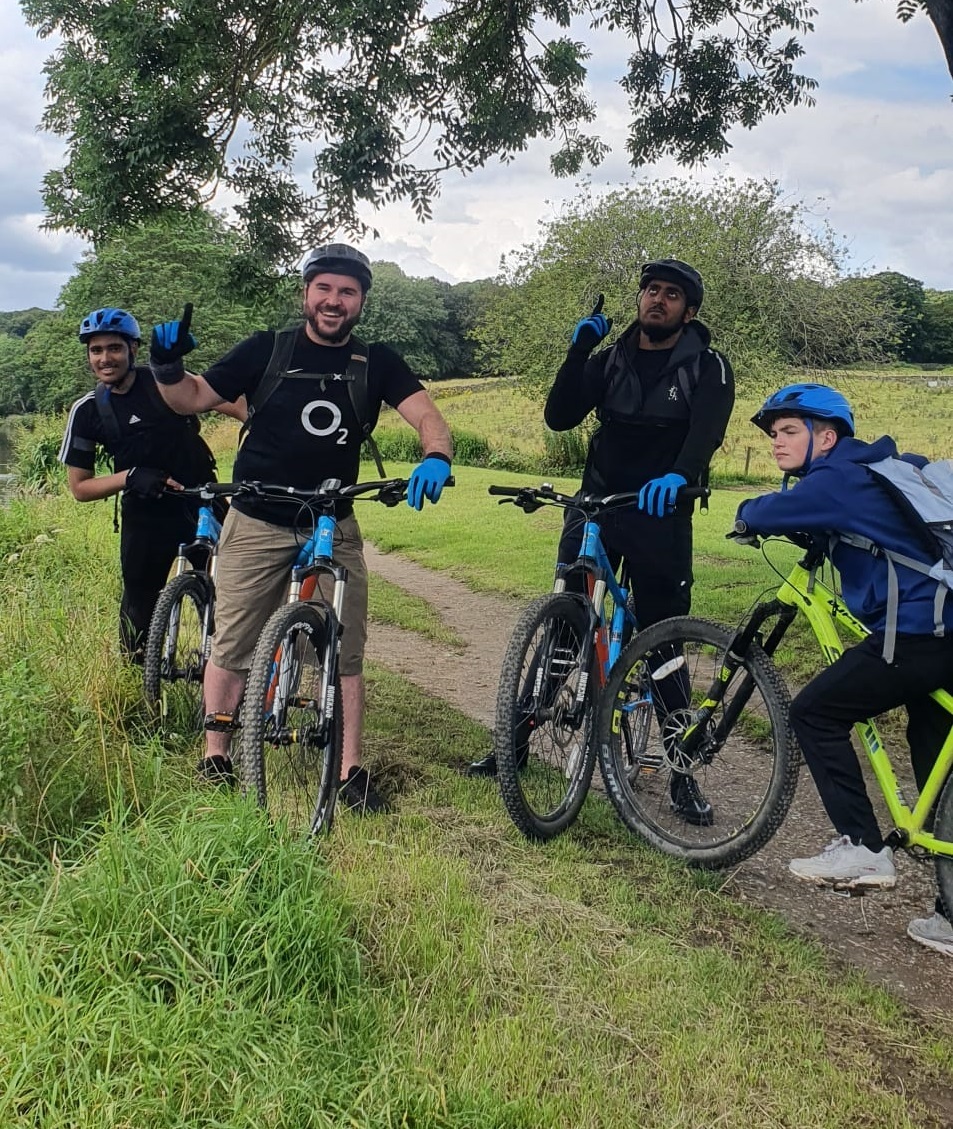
(900, 403)
(169, 960)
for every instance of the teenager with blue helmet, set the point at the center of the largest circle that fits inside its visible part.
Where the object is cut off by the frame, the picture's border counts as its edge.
(836, 494)
(662, 397)
(305, 431)
(152, 450)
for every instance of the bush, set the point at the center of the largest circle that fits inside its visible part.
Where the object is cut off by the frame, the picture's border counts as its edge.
(566, 451)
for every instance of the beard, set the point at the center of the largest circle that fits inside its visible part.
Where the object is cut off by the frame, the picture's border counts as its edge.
(335, 337)
(660, 331)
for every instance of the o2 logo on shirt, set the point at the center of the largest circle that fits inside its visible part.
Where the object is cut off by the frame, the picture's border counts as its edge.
(320, 406)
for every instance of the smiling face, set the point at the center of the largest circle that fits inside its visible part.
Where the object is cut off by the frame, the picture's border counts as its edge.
(796, 441)
(332, 306)
(111, 357)
(663, 312)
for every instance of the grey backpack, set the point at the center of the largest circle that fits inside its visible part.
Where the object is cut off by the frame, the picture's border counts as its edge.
(925, 496)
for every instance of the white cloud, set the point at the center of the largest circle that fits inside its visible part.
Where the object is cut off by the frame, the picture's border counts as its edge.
(876, 149)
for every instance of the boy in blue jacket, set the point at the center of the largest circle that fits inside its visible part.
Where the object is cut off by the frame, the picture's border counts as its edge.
(812, 430)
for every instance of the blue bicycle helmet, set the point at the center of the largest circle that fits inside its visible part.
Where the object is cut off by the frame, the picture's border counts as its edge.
(109, 320)
(674, 270)
(812, 401)
(337, 258)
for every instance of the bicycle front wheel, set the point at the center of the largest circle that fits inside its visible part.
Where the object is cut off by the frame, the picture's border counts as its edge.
(707, 784)
(175, 653)
(544, 717)
(291, 735)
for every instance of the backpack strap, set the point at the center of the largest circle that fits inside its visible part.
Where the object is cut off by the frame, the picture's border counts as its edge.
(275, 369)
(356, 378)
(107, 416)
(893, 587)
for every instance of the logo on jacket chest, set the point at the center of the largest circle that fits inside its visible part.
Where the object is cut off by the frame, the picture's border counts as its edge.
(322, 418)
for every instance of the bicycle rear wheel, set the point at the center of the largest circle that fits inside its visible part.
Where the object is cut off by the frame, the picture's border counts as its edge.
(943, 829)
(543, 739)
(745, 761)
(291, 735)
(175, 653)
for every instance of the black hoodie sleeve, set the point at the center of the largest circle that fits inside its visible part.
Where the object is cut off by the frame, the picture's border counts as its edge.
(711, 409)
(578, 388)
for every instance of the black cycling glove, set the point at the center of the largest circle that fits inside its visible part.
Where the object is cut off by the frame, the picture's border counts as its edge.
(146, 481)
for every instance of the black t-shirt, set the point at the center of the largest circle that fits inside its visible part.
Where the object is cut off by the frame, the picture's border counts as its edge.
(149, 434)
(306, 431)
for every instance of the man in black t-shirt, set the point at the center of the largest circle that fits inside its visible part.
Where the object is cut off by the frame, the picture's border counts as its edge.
(151, 448)
(305, 431)
(662, 397)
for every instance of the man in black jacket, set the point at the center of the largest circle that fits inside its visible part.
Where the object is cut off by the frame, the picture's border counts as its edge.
(151, 448)
(662, 397)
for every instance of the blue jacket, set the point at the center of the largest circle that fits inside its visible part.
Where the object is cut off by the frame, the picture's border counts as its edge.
(839, 495)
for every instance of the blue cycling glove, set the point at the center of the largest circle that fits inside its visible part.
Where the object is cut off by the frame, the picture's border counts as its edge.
(591, 330)
(657, 497)
(170, 342)
(427, 481)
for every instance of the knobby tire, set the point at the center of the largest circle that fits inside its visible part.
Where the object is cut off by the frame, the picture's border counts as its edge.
(747, 770)
(174, 659)
(290, 750)
(544, 752)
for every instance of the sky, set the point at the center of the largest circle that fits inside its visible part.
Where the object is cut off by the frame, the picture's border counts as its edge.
(873, 159)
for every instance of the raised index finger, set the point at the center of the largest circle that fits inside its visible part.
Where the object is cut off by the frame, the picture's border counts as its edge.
(597, 308)
(186, 321)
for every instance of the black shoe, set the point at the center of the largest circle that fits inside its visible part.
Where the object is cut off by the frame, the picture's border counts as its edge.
(216, 768)
(358, 794)
(484, 767)
(688, 803)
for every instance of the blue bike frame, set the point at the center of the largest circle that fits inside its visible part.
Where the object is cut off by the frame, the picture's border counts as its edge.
(593, 562)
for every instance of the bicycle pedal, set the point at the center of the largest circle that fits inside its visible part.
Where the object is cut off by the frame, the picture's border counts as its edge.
(221, 723)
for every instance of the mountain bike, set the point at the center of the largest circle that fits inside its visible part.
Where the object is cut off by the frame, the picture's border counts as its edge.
(180, 631)
(555, 664)
(734, 732)
(289, 729)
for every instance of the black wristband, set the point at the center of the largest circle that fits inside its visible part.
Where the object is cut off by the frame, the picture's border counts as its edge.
(439, 455)
(168, 372)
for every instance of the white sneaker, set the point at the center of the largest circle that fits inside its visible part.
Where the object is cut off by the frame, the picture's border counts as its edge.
(935, 932)
(843, 865)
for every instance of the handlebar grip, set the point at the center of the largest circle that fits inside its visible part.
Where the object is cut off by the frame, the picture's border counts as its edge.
(695, 492)
(505, 491)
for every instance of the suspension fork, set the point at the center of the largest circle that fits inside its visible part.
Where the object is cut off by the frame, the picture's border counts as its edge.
(734, 658)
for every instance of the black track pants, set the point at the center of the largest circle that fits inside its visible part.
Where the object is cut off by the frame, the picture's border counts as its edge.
(860, 685)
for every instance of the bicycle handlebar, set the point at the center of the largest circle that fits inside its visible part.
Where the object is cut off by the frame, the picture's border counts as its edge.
(390, 491)
(530, 498)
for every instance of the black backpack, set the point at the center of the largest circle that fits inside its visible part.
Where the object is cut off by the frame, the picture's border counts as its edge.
(355, 376)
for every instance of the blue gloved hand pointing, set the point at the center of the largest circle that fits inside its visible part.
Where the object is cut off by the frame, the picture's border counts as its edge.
(657, 497)
(171, 341)
(591, 330)
(427, 481)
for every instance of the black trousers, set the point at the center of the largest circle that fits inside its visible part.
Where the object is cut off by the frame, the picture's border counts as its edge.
(150, 536)
(860, 685)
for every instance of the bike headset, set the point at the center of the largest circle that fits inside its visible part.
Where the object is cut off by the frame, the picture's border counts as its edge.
(674, 270)
(337, 258)
(809, 402)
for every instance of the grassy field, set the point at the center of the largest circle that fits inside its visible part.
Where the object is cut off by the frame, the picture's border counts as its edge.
(170, 961)
(917, 409)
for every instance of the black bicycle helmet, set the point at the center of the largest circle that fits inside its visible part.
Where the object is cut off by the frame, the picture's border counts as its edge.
(674, 270)
(811, 401)
(109, 320)
(337, 258)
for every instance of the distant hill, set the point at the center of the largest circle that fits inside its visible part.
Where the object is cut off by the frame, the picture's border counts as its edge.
(18, 323)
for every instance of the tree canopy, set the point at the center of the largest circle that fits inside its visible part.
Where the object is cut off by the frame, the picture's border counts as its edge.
(771, 281)
(163, 102)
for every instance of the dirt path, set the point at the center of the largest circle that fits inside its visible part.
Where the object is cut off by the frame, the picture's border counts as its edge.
(867, 933)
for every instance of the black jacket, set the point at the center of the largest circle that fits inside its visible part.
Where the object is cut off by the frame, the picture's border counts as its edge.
(658, 412)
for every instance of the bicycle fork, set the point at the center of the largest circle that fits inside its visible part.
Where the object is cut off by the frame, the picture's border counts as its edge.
(691, 739)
